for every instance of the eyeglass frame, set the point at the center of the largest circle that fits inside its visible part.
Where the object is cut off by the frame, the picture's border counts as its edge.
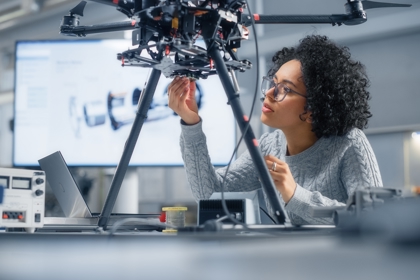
(276, 89)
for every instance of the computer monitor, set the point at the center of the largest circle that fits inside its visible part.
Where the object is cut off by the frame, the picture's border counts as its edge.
(73, 96)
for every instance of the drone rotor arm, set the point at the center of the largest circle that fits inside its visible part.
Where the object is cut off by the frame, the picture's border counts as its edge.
(296, 19)
(99, 28)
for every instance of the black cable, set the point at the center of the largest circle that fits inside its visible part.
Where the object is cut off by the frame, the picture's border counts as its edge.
(224, 205)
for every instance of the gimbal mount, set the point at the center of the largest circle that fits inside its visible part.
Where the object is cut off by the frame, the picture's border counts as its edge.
(167, 31)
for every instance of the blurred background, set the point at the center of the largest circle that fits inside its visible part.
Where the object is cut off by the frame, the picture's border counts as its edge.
(388, 44)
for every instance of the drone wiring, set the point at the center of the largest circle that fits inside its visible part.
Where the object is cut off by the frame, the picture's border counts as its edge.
(248, 120)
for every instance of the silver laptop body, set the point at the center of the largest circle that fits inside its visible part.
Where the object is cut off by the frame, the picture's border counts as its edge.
(64, 186)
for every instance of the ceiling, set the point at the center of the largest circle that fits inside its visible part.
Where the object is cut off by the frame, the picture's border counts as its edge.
(14, 13)
(40, 19)
(12, 10)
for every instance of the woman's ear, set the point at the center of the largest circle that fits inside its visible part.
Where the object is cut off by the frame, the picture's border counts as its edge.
(309, 119)
(306, 117)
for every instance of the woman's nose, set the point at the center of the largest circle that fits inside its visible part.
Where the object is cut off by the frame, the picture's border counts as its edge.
(270, 94)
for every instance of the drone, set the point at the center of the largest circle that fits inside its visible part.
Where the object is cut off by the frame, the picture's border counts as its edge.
(166, 35)
(166, 31)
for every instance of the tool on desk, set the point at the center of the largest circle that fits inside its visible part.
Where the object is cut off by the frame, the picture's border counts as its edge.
(24, 198)
(384, 214)
(175, 218)
(361, 201)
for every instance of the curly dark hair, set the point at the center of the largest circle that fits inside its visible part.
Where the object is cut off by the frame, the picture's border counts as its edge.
(336, 85)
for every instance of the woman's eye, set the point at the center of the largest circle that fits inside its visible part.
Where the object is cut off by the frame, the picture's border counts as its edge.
(287, 90)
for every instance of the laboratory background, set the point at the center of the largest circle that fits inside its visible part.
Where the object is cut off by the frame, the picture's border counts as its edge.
(76, 119)
(388, 44)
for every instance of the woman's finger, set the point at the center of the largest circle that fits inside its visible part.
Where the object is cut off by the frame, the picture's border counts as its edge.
(177, 87)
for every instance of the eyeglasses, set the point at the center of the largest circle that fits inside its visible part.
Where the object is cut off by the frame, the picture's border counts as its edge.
(280, 89)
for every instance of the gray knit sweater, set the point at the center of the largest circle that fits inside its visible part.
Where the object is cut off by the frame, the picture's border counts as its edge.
(326, 173)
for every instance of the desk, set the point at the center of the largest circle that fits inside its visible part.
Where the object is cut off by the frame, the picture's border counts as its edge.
(153, 255)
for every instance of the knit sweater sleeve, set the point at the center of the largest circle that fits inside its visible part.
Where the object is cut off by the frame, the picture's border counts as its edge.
(356, 168)
(202, 177)
(300, 206)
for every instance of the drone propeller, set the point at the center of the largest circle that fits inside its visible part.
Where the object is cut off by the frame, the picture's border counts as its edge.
(372, 5)
(78, 10)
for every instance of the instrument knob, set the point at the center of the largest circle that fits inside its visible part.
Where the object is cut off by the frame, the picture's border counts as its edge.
(39, 181)
(39, 192)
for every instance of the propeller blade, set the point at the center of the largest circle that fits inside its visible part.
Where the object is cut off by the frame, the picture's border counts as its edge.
(372, 5)
(78, 10)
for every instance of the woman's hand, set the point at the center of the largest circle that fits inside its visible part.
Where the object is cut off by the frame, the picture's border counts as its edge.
(282, 177)
(181, 95)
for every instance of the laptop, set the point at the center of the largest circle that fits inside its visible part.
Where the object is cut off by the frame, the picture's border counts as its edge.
(64, 186)
(69, 196)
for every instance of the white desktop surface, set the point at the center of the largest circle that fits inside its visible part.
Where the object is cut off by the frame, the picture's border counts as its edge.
(154, 255)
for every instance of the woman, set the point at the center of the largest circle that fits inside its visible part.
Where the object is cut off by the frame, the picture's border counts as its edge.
(316, 98)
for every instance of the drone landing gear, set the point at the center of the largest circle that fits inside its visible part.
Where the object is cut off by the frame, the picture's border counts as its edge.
(241, 118)
(143, 106)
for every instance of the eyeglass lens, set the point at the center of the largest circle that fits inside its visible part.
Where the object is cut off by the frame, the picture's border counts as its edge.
(268, 84)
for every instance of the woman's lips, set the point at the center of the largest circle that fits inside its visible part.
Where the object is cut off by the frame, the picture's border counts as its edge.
(266, 108)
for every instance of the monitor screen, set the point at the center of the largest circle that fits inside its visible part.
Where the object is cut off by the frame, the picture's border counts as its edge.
(74, 97)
